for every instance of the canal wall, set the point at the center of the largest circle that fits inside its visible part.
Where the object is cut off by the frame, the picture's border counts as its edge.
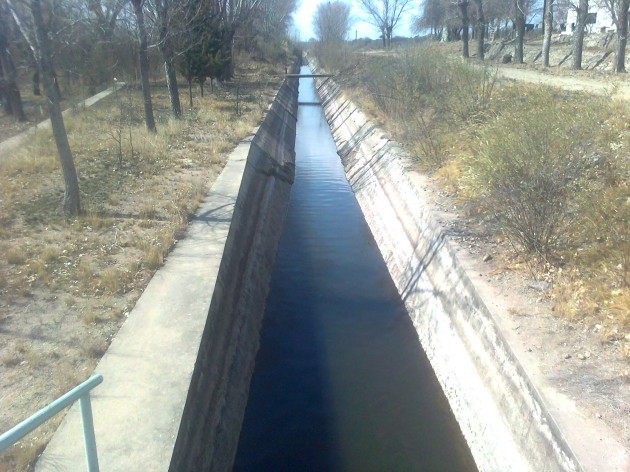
(177, 375)
(501, 414)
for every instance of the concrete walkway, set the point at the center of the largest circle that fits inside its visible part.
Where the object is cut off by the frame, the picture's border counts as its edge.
(8, 145)
(148, 367)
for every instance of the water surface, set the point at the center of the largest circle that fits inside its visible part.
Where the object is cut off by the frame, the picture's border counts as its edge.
(341, 382)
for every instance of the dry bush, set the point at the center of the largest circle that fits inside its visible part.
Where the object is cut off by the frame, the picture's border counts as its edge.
(425, 95)
(531, 165)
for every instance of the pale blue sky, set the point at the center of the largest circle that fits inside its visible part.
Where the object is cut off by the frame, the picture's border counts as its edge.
(303, 21)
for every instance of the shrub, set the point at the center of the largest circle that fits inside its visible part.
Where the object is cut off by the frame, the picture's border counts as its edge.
(530, 164)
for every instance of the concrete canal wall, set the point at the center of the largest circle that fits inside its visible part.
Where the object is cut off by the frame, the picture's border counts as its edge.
(501, 414)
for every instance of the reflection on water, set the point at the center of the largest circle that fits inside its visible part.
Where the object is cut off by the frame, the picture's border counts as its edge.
(341, 382)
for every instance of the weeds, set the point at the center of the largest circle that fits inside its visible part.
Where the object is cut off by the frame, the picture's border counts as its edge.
(529, 173)
(551, 167)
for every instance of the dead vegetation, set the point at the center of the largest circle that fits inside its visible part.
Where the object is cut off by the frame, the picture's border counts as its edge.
(544, 171)
(66, 285)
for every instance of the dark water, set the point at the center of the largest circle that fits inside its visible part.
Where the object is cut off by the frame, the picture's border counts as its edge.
(341, 382)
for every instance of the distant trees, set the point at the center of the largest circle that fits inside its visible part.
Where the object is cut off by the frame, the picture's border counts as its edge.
(458, 19)
(385, 15)
(331, 22)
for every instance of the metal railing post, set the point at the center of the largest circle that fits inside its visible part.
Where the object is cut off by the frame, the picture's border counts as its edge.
(91, 456)
(80, 392)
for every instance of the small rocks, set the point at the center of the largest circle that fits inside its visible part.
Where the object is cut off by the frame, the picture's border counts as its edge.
(541, 285)
(487, 258)
(567, 356)
(584, 355)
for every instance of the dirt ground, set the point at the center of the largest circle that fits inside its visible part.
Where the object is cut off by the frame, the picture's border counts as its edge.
(574, 363)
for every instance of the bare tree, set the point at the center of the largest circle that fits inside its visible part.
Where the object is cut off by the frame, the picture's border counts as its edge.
(578, 34)
(138, 8)
(548, 24)
(30, 20)
(519, 26)
(619, 13)
(385, 15)
(463, 14)
(481, 29)
(8, 81)
(163, 10)
(331, 22)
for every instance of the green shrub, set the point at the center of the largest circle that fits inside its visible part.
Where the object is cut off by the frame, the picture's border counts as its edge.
(531, 164)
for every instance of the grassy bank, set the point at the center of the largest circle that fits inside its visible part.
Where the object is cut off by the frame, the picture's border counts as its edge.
(545, 172)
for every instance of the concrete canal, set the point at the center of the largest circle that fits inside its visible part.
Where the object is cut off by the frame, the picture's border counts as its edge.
(340, 382)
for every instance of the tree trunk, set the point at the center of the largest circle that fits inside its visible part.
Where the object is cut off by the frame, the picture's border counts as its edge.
(71, 200)
(173, 89)
(481, 30)
(144, 65)
(544, 9)
(548, 24)
(463, 8)
(36, 89)
(519, 25)
(578, 35)
(11, 90)
(167, 56)
(190, 92)
(622, 36)
(201, 87)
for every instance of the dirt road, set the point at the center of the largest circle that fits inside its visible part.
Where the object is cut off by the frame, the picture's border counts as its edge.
(616, 87)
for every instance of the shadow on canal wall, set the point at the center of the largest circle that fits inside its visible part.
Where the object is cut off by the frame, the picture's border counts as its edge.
(501, 414)
(211, 423)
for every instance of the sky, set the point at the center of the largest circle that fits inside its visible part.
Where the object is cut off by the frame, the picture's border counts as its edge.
(303, 21)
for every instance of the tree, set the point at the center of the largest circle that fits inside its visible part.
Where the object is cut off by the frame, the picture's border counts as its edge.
(619, 13)
(578, 34)
(9, 91)
(163, 11)
(203, 51)
(481, 29)
(548, 24)
(331, 22)
(30, 21)
(232, 15)
(143, 60)
(519, 26)
(433, 17)
(385, 15)
(463, 14)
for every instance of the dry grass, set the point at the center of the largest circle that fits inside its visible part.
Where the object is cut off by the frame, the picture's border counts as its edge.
(66, 285)
(443, 126)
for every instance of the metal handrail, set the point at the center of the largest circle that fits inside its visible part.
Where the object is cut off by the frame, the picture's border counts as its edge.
(81, 393)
